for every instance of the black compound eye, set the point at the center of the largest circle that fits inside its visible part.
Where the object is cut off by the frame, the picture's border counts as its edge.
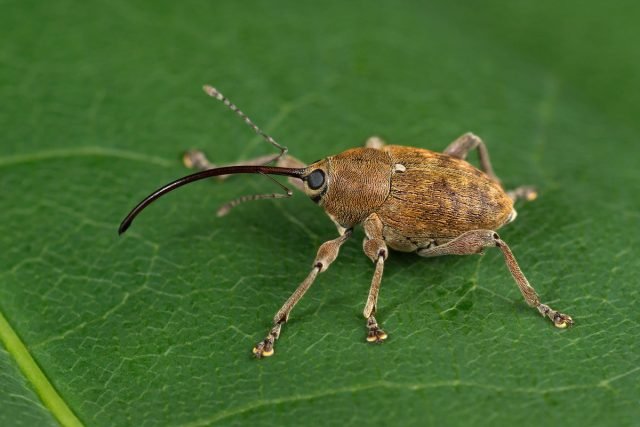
(315, 179)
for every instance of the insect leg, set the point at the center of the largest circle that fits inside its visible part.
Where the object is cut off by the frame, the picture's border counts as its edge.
(467, 142)
(376, 249)
(327, 253)
(525, 192)
(375, 142)
(473, 242)
(195, 159)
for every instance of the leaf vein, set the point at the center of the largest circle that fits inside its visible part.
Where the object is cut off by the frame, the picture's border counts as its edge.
(41, 384)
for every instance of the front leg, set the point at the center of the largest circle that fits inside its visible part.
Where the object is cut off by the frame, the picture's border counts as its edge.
(473, 242)
(376, 249)
(195, 159)
(327, 253)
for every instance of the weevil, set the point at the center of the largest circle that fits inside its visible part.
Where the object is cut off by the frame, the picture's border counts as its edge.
(407, 199)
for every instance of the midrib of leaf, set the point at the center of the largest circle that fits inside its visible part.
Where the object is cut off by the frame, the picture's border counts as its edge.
(82, 152)
(45, 390)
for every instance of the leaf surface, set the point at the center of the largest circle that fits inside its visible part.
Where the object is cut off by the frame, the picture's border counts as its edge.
(156, 327)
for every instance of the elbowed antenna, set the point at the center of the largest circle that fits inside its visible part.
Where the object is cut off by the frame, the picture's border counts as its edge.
(226, 170)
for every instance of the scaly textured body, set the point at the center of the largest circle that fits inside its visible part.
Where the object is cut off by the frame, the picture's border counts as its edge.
(423, 198)
(438, 197)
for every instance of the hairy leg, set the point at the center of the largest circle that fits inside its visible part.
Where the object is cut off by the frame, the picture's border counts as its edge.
(473, 242)
(376, 249)
(327, 253)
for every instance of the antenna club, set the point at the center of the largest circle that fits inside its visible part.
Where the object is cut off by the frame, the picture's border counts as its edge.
(212, 91)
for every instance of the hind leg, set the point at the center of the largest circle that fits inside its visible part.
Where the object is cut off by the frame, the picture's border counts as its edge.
(473, 242)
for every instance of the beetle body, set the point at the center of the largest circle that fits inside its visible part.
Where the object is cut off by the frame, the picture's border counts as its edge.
(407, 199)
(422, 197)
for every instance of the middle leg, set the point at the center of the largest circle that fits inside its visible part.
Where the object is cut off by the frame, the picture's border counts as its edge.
(376, 249)
(460, 148)
(467, 142)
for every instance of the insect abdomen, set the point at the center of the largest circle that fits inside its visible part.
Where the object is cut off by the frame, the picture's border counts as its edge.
(439, 197)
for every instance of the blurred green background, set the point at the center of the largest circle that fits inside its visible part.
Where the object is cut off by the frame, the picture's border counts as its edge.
(155, 328)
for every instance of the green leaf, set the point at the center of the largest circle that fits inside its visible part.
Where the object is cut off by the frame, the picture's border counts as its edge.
(19, 404)
(156, 327)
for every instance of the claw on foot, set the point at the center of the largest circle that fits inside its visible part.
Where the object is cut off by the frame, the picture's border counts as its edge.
(263, 349)
(189, 158)
(562, 321)
(375, 334)
(194, 159)
(525, 192)
(531, 195)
